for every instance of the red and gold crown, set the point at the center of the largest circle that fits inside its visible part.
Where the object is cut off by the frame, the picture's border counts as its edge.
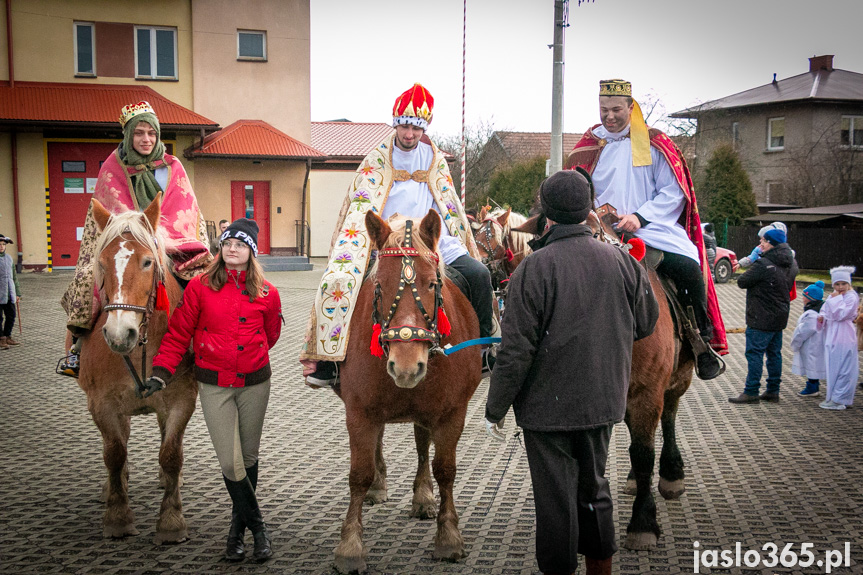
(129, 111)
(414, 107)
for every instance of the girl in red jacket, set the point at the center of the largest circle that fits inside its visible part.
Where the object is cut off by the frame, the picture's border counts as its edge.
(232, 316)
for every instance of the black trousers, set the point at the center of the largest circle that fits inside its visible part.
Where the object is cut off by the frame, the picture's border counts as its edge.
(7, 318)
(479, 280)
(686, 274)
(574, 511)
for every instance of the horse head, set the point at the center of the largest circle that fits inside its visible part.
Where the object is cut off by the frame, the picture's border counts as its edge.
(408, 268)
(128, 269)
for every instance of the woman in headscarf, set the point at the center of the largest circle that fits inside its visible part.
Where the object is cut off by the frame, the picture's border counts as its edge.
(129, 179)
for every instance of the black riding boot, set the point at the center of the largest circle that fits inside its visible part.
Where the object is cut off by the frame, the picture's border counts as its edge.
(243, 495)
(236, 547)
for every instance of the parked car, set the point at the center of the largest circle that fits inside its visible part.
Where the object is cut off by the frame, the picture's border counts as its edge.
(723, 269)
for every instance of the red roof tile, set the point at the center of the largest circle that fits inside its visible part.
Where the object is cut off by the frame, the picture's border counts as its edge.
(348, 139)
(529, 145)
(252, 139)
(49, 103)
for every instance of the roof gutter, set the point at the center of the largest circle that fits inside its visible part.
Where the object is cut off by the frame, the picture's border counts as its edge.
(303, 208)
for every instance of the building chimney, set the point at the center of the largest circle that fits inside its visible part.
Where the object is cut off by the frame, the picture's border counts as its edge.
(817, 63)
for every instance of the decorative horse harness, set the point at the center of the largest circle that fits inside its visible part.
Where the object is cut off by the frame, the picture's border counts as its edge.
(158, 299)
(383, 332)
(499, 257)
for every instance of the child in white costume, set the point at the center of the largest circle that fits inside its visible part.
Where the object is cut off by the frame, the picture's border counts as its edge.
(808, 342)
(840, 341)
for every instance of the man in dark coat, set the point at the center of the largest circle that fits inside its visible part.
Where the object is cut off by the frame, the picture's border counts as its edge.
(573, 310)
(768, 284)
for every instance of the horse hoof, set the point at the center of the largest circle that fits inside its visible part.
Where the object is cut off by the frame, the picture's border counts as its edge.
(373, 497)
(631, 487)
(119, 531)
(671, 489)
(424, 510)
(451, 554)
(348, 565)
(640, 541)
(171, 537)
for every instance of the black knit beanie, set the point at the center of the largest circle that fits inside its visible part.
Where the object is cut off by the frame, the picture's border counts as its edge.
(567, 196)
(243, 229)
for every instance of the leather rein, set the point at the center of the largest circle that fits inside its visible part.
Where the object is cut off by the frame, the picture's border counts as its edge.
(147, 312)
(407, 333)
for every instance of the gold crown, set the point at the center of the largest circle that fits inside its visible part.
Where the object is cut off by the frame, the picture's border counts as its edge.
(615, 87)
(129, 111)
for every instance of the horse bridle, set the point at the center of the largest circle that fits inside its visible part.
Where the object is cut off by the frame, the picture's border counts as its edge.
(498, 262)
(406, 333)
(146, 312)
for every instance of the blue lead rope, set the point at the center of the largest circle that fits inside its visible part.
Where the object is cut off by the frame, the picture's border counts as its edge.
(449, 349)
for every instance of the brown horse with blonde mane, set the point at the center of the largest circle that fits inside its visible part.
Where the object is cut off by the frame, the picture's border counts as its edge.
(131, 272)
(406, 381)
(662, 368)
(499, 243)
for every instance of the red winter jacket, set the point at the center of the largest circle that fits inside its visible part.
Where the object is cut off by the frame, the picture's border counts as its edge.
(231, 336)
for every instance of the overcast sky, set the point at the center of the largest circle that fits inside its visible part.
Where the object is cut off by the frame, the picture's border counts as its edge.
(684, 52)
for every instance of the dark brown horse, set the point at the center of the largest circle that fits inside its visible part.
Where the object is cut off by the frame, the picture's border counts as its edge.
(130, 265)
(662, 368)
(407, 384)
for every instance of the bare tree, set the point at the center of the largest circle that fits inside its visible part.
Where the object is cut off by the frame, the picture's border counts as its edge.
(478, 173)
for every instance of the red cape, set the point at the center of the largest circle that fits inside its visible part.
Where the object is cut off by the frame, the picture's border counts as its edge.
(586, 155)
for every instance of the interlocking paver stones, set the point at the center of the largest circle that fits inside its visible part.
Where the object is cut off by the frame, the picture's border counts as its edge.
(781, 473)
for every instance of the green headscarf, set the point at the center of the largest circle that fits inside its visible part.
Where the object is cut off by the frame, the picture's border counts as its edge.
(144, 182)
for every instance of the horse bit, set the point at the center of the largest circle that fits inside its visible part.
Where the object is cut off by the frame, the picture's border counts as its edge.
(406, 333)
(147, 311)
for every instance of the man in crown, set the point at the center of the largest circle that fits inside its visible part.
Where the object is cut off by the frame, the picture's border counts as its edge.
(406, 174)
(643, 174)
(129, 179)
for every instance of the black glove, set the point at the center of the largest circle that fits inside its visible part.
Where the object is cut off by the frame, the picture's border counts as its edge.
(152, 385)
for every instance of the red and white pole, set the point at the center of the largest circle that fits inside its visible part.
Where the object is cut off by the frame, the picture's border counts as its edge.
(463, 138)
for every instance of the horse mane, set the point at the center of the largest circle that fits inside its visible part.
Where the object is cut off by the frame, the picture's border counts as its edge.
(518, 240)
(136, 224)
(397, 240)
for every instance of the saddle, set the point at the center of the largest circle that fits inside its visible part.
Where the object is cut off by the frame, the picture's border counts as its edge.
(602, 221)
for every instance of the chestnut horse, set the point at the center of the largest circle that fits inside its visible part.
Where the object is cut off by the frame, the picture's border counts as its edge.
(500, 245)
(662, 368)
(130, 266)
(408, 382)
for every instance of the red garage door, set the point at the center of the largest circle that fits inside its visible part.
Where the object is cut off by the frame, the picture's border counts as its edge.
(72, 171)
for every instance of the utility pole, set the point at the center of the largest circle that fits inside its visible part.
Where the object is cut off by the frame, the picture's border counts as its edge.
(560, 24)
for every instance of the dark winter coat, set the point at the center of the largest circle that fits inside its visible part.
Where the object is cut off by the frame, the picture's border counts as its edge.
(231, 336)
(573, 309)
(768, 284)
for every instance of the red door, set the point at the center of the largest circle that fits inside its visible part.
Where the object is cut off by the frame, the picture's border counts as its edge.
(252, 200)
(72, 171)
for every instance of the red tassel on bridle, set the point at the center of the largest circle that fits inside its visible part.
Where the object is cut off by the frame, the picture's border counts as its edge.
(443, 325)
(162, 302)
(638, 248)
(509, 255)
(375, 346)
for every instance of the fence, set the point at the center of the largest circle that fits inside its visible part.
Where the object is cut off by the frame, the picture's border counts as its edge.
(816, 248)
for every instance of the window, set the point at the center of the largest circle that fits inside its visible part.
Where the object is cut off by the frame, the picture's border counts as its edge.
(156, 53)
(74, 166)
(852, 131)
(85, 49)
(776, 134)
(251, 45)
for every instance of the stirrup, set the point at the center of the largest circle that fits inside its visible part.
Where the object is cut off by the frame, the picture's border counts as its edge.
(321, 382)
(69, 365)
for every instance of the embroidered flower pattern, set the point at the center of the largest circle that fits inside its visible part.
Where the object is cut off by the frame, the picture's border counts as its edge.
(336, 333)
(360, 200)
(351, 232)
(451, 209)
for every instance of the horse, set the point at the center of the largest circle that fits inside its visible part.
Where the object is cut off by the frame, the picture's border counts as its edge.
(401, 378)
(501, 247)
(662, 368)
(130, 270)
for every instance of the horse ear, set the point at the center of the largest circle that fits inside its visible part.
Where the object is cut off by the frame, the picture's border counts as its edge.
(379, 230)
(154, 211)
(100, 214)
(530, 226)
(483, 213)
(504, 217)
(430, 229)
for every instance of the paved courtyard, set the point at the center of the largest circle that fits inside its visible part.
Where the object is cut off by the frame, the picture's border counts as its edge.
(786, 473)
